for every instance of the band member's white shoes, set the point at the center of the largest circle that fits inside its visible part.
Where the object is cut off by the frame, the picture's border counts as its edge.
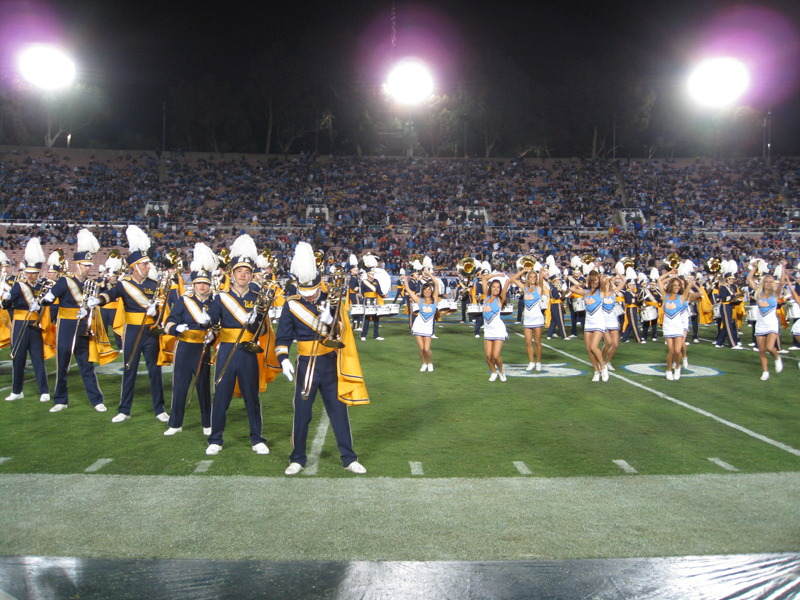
(163, 417)
(44, 398)
(58, 408)
(11, 397)
(120, 418)
(100, 407)
(173, 430)
(261, 448)
(355, 467)
(293, 469)
(213, 449)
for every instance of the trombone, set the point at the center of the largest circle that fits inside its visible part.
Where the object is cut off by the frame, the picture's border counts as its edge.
(44, 286)
(330, 337)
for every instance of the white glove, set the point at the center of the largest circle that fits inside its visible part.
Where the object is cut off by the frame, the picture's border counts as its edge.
(7, 296)
(92, 301)
(288, 369)
(82, 313)
(204, 319)
(49, 298)
(152, 310)
(325, 313)
(251, 317)
(182, 327)
(34, 306)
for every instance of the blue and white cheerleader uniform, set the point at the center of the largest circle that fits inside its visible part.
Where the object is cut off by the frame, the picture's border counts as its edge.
(423, 322)
(533, 317)
(673, 318)
(493, 326)
(611, 319)
(595, 317)
(767, 316)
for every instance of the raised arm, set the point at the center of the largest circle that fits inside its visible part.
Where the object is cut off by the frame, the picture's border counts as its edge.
(409, 292)
(751, 280)
(666, 275)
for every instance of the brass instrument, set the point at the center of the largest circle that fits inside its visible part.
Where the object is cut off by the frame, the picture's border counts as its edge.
(211, 335)
(160, 301)
(89, 290)
(224, 258)
(266, 296)
(526, 263)
(328, 336)
(587, 259)
(272, 262)
(467, 267)
(672, 260)
(44, 286)
(713, 265)
(173, 260)
(628, 262)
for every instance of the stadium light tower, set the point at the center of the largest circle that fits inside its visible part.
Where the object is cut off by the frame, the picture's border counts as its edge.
(410, 83)
(49, 69)
(718, 82)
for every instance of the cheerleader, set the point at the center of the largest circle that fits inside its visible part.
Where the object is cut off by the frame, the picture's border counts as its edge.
(595, 324)
(494, 330)
(767, 294)
(676, 302)
(422, 328)
(609, 289)
(532, 286)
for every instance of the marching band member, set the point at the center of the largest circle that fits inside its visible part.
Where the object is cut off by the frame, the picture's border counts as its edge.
(632, 296)
(354, 288)
(676, 301)
(187, 321)
(235, 313)
(478, 295)
(532, 285)
(652, 297)
(337, 374)
(576, 316)
(767, 294)
(136, 316)
(114, 267)
(464, 293)
(25, 339)
(609, 290)
(727, 296)
(494, 330)
(372, 292)
(793, 287)
(556, 291)
(413, 285)
(72, 327)
(54, 268)
(595, 324)
(422, 329)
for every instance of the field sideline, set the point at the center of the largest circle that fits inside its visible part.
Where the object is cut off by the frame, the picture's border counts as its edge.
(547, 465)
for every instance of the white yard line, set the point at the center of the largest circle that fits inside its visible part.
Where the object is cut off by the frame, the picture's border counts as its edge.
(5, 459)
(522, 468)
(724, 465)
(312, 462)
(625, 466)
(700, 411)
(416, 468)
(203, 466)
(97, 465)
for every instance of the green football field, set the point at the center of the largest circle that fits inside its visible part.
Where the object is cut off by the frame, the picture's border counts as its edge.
(546, 465)
(454, 422)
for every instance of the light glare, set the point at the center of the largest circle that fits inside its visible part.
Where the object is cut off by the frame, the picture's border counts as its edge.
(46, 67)
(410, 82)
(718, 82)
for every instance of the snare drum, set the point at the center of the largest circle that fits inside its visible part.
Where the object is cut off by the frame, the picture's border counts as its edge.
(619, 309)
(752, 313)
(356, 309)
(385, 310)
(371, 309)
(578, 305)
(791, 310)
(447, 307)
(649, 313)
(474, 309)
(414, 308)
(692, 309)
(717, 311)
(544, 302)
(507, 309)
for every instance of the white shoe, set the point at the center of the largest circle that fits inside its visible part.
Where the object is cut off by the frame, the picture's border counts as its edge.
(363, 339)
(356, 467)
(783, 352)
(751, 344)
(11, 397)
(736, 348)
(163, 417)
(686, 363)
(477, 335)
(755, 349)
(423, 368)
(670, 376)
(430, 368)
(378, 339)
(654, 340)
(58, 408)
(548, 337)
(778, 365)
(677, 374)
(206, 430)
(502, 376)
(293, 469)
(604, 374)
(261, 448)
(120, 417)
(696, 341)
(765, 376)
(44, 398)
(100, 407)
(596, 376)
(173, 430)
(493, 377)
(610, 367)
(213, 449)
(434, 336)
(538, 367)
(530, 367)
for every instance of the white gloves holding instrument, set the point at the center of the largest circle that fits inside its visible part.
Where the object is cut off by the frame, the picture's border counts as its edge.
(182, 327)
(204, 319)
(325, 315)
(288, 369)
(92, 302)
(152, 310)
(49, 298)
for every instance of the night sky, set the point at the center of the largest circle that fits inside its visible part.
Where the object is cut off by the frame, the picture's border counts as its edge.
(137, 51)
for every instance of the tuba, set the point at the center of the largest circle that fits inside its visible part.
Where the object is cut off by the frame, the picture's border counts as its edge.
(467, 267)
(672, 260)
(628, 262)
(526, 263)
(713, 265)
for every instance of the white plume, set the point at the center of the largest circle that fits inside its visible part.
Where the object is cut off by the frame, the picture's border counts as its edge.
(101, 269)
(554, 270)
(244, 246)
(87, 242)
(486, 266)
(304, 266)
(550, 261)
(402, 271)
(654, 274)
(575, 262)
(53, 259)
(203, 259)
(588, 267)
(630, 273)
(427, 263)
(137, 239)
(261, 262)
(353, 261)
(370, 261)
(416, 265)
(537, 266)
(113, 265)
(619, 268)
(3, 258)
(34, 252)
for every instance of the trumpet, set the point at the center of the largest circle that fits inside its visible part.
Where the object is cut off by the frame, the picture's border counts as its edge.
(89, 289)
(330, 337)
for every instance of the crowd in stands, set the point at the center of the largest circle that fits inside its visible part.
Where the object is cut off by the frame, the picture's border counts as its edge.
(399, 207)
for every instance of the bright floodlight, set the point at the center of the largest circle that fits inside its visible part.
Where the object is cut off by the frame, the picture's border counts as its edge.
(410, 82)
(719, 81)
(46, 67)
